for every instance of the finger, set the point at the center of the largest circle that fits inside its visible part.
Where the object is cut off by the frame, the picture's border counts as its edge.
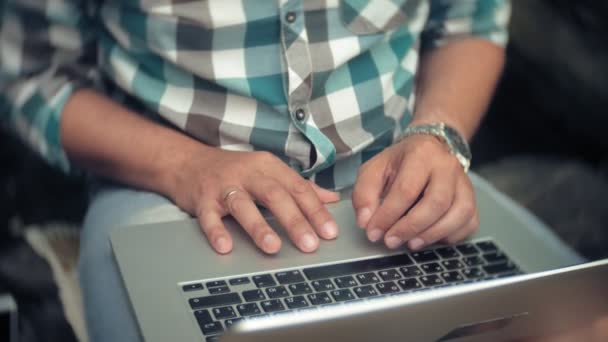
(457, 217)
(244, 211)
(211, 223)
(402, 194)
(326, 196)
(464, 233)
(367, 191)
(312, 207)
(436, 201)
(282, 205)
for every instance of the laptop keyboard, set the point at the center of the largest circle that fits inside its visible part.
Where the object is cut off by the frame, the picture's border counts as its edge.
(217, 305)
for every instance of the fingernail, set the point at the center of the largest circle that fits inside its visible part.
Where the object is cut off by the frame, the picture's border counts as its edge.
(393, 242)
(415, 243)
(374, 235)
(222, 245)
(329, 230)
(269, 242)
(363, 217)
(308, 242)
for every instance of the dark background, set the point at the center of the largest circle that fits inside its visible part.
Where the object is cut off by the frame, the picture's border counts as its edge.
(543, 142)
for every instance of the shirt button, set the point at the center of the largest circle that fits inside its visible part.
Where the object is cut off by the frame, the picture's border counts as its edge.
(300, 114)
(290, 17)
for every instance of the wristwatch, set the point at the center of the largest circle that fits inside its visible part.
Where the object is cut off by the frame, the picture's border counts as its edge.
(457, 145)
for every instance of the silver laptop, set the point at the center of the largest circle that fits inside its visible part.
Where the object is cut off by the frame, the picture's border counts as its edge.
(180, 290)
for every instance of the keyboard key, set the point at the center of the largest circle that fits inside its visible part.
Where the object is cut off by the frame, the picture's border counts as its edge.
(473, 273)
(203, 316)
(214, 338)
(296, 302)
(272, 305)
(387, 275)
(365, 291)
(424, 256)
(289, 277)
(409, 284)
(447, 252)
(216, 283)
(323, 285)
(319, 298)
(239, 281)
(411, 271)
(299, 289)
(387, 287)
(467, 249)
(487, 246)
(224, 312)
(337, 270)
(500, 268)
(432, 267)
(192, 287)
(345, 282)
(211, 328)
(220, 289)
(218, 300)
(367, 278)
(264, 280)
(452, 264)
(248, 309)
(452, 277)
(431, 280)
(342, 295)
(230, 322)
(495, 257)
(253, 295)
(473, 260)
(277, 292)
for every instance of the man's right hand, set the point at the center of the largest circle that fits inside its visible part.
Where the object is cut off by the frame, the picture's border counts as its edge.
(213, 183)
(108, 139)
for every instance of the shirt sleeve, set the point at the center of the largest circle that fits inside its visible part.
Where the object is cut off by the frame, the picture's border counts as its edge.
(456, 19)
(47, 52)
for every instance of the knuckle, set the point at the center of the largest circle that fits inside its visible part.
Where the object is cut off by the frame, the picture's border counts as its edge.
(295, 221)
(258, 229)
(439, 203)
(213, 231)
(273, 194)
(265, 157)
(406, 191)
(301, 186)
(318, 212)
(409, 228)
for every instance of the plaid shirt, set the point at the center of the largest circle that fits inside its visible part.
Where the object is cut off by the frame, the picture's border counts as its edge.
(323, 84)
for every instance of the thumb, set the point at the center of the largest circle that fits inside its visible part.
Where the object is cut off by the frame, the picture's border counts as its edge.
(326, 196)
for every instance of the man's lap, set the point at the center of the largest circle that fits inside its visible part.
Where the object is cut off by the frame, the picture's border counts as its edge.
(107, 311)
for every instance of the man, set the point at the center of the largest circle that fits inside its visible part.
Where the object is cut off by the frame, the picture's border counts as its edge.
(216, 105)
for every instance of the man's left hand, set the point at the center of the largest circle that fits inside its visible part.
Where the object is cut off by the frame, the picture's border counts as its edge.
(427, 195)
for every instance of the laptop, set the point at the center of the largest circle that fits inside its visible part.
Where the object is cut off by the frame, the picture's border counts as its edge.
(180, 290)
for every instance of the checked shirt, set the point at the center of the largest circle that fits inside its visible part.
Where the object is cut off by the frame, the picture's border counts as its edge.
(323, 84)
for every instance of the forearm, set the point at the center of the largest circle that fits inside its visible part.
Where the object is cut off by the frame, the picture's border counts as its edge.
(107, 139)
(456, 82)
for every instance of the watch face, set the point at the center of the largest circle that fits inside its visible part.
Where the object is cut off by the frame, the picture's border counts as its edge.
(460, 145)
